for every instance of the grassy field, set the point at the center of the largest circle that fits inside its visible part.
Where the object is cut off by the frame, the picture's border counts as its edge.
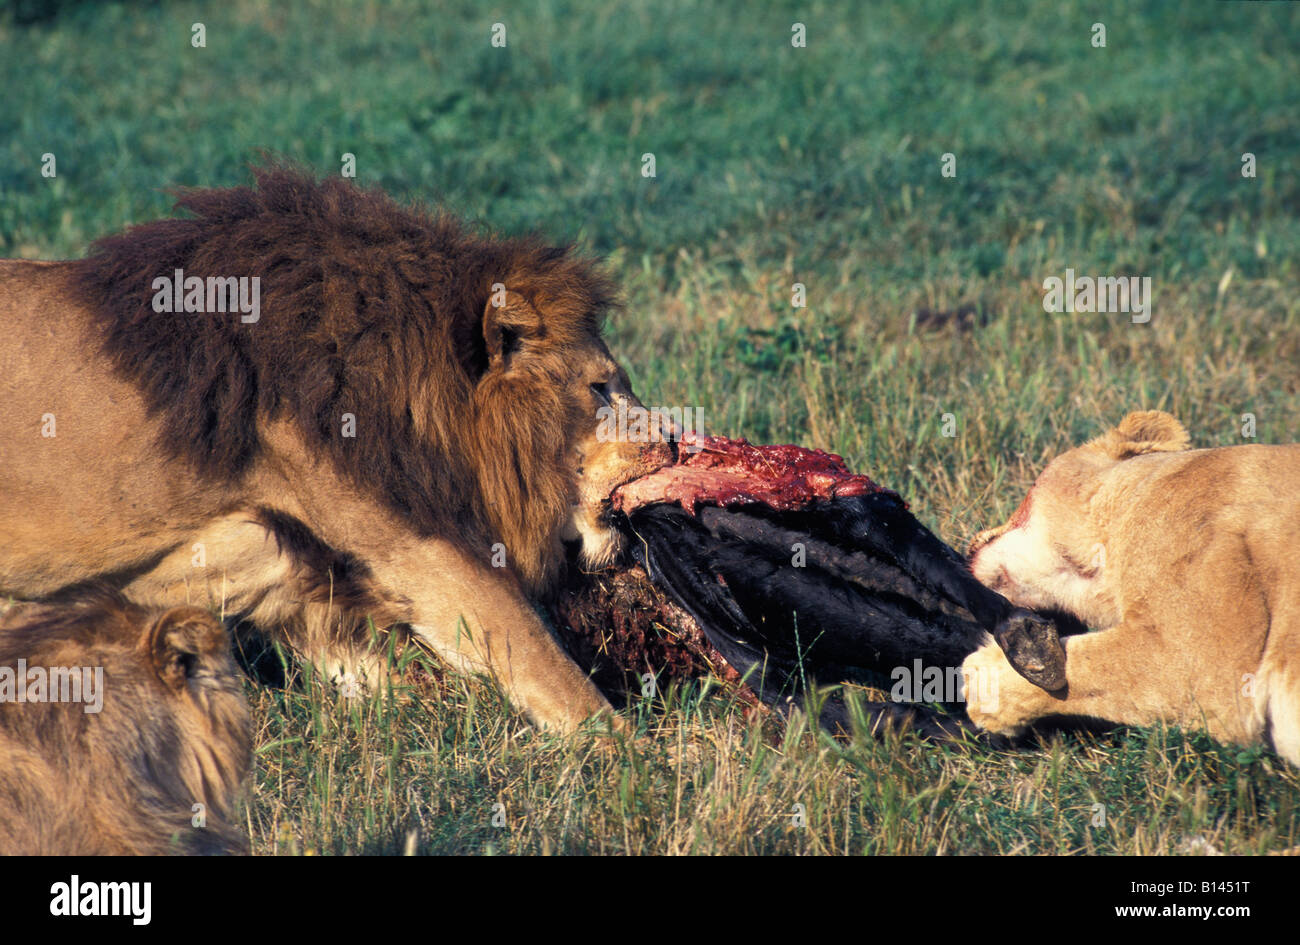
(775, 166)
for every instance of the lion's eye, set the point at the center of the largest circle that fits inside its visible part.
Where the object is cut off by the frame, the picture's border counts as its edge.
(601, 393)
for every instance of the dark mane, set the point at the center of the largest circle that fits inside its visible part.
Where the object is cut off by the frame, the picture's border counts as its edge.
(367, 308)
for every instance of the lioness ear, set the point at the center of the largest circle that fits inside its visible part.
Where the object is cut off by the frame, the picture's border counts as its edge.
(508, 318)
(179, 642)
(1145, 431)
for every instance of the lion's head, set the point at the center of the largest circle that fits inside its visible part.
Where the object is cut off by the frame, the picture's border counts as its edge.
(542, 459)
(456, 377)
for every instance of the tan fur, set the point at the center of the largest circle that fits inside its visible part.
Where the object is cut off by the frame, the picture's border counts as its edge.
(170, 744)
(1183, 561)
(474, 435)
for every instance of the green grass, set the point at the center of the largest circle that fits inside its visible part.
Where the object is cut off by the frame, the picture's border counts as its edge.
(775, 166)
(450, 769)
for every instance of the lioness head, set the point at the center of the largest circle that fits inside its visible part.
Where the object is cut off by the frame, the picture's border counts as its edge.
(1051, 553)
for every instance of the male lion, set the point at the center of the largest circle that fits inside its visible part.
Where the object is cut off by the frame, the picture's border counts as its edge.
(1185, 561)
(402, 426)
(132, 735)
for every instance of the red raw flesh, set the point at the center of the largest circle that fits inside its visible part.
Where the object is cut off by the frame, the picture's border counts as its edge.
(715, 470)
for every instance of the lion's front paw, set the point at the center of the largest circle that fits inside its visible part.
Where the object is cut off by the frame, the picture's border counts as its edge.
(998, 699)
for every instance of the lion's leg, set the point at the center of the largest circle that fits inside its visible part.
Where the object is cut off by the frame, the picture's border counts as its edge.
(353, 672)
(1129, 674)
(237, 566)
(343, 651)
(477, 619)
(1284, 715)
(1279, 682)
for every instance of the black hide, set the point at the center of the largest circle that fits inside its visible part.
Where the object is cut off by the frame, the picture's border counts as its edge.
(877, 590)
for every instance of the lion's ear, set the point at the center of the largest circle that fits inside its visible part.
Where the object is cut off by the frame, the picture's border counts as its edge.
(180, 642)
(508, 319)
(1145, 431)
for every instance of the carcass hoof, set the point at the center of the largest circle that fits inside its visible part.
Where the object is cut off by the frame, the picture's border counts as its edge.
(1033, 647)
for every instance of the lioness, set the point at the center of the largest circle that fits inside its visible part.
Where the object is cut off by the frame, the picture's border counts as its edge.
(308, 406)
(1185, 561)
(122, 730)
